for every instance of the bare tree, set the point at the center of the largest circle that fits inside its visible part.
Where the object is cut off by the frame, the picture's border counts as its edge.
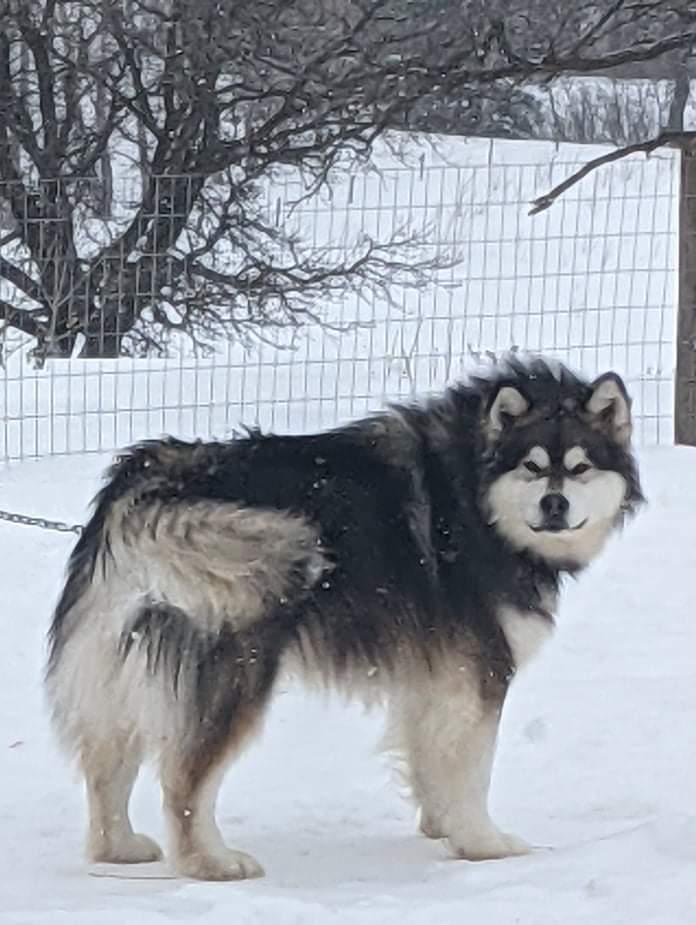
(170, 117)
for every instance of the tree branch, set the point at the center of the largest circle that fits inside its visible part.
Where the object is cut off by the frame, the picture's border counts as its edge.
(664, 139)
(12, 317)
(20, 279)
(37, 42)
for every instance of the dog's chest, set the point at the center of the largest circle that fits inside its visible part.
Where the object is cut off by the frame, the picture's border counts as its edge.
(526, 631)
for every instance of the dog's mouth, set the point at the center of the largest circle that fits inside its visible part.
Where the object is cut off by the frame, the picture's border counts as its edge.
(556, 527)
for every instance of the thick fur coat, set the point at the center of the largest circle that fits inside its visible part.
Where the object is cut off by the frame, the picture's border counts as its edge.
(414, 557)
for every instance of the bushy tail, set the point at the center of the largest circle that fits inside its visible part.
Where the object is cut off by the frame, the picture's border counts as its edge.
(159, 593)
(222, 564)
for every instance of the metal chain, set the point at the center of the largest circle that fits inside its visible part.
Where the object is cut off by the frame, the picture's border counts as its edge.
(41, 522)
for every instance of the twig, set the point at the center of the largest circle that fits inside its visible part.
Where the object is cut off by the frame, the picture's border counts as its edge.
(664, 139)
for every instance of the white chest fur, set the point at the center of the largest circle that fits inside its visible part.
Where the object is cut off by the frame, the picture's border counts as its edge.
(526, 632)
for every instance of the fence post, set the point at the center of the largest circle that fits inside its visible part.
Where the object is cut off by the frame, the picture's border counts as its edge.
(685, 384)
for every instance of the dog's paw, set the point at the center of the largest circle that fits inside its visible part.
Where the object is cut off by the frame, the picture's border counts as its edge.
(126, 849)
(228, 865)
(431, 826)
(487, 845)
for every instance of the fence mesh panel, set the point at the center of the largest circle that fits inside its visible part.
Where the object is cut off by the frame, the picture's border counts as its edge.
(592, 281)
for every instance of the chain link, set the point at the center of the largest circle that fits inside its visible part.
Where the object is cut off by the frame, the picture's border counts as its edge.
(41, 522)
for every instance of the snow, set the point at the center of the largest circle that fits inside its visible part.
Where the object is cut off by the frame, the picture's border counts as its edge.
(595, 765)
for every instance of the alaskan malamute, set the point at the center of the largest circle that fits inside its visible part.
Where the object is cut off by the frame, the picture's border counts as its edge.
(414, 556)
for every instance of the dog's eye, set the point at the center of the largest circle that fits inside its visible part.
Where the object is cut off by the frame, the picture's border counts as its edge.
(532, 467)
(579, 469)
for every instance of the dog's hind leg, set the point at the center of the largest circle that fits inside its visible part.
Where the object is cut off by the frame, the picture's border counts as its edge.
(110, 767)
(191, 780)
(225, 699)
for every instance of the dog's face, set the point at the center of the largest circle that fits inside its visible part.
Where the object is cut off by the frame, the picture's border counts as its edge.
(560, 474)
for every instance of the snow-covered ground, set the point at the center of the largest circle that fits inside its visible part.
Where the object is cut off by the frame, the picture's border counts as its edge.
(596, 764)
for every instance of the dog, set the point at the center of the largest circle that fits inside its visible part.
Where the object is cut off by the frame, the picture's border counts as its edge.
(414, 557)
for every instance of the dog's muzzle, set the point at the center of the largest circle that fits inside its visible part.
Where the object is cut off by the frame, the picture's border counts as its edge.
(554, 508)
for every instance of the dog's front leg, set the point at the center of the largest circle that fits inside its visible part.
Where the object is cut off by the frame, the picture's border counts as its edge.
(448, 730)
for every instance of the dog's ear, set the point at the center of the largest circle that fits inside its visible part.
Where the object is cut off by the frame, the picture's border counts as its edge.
(507, 405)
(609, 406)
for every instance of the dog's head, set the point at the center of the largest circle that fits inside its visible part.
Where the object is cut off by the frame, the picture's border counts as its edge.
(559, 473)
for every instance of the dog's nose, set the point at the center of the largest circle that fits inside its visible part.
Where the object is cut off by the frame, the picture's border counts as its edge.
(554, 505)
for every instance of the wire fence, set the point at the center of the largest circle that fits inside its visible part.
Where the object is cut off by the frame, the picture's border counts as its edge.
(591, 281)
